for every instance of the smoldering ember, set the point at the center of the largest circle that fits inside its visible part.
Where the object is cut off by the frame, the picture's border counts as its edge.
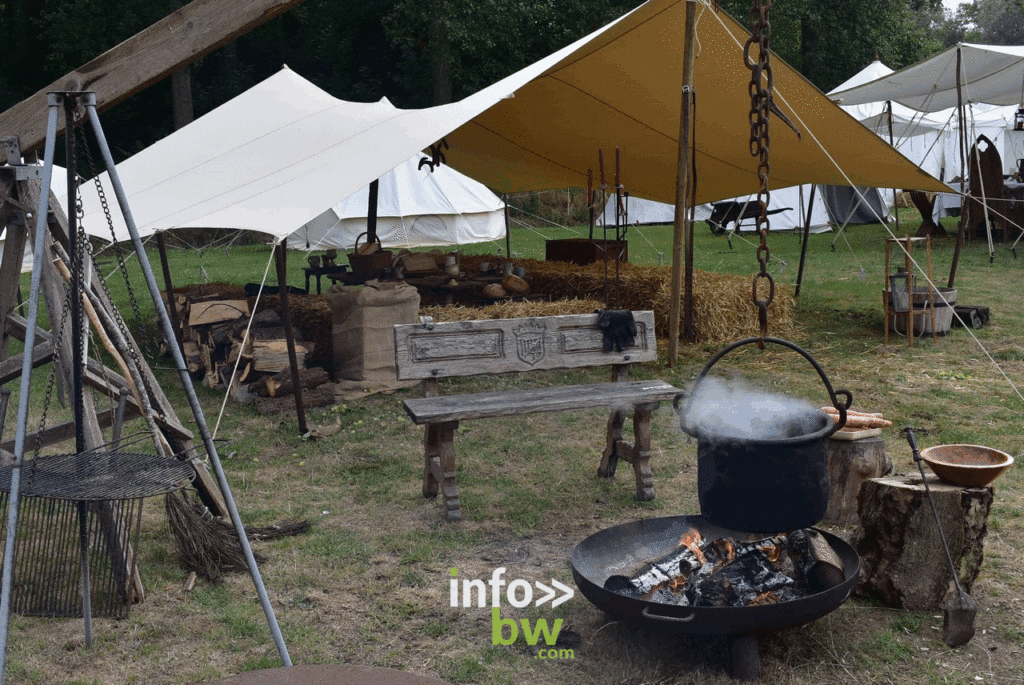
(703, 572)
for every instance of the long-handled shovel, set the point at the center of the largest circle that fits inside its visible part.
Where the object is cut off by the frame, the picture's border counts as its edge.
(959, 608)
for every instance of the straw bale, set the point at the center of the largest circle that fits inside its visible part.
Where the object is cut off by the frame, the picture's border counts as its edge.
(511, 309)
(723, 309)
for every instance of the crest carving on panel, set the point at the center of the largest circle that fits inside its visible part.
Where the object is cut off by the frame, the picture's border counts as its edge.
(530, 343)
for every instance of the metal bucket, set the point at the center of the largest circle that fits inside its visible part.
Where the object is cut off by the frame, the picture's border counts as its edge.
(765, 485)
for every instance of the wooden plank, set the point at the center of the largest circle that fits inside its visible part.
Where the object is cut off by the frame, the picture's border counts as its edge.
(466, 348)
(11, 368)
(179, 39)
(856, 434)
(62, 432)
(103, 379)
(486, 405)
(14, 247)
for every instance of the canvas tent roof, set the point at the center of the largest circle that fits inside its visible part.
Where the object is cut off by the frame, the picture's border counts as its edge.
(990, 74)
(283, 152)
(416, 207)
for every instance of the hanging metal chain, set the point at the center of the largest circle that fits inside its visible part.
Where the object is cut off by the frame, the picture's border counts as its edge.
(115, 314)
(760, 88)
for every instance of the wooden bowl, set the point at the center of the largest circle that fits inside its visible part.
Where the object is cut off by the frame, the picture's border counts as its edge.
(969, 466)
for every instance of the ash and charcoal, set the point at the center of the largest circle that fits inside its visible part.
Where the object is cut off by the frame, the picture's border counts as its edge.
(723, 572)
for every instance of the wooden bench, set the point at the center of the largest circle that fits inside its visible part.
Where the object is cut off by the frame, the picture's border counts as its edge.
(434, 350)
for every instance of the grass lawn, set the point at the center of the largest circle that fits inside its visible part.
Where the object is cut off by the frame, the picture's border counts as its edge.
(370, 583)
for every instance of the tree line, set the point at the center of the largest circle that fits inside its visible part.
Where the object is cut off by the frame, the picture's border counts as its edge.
(423, 52)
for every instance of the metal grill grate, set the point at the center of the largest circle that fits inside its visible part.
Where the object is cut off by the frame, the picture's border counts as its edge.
(99, 476)
(47, 573)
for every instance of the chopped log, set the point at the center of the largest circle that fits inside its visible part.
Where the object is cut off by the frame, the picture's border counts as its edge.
(272, 355)
(205, 355)
(850, 463)
(259, 386)
(193, 357)
(245, 375)
(282, 384)
(202, 313)
(902, 561)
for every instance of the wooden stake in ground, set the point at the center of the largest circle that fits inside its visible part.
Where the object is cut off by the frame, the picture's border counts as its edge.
(683, 185)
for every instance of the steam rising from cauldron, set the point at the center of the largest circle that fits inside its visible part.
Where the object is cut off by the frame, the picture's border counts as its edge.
(735, 410)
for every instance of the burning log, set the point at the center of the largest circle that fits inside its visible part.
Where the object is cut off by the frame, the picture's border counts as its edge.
(724, 572)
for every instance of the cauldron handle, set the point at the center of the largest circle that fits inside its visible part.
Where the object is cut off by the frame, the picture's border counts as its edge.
(646, 613)
(832, 394)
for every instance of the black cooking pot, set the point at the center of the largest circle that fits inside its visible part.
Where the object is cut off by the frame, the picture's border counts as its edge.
(768, 484)
(624, 549)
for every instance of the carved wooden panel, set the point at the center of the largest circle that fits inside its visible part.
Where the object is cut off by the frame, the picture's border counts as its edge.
(467, 348)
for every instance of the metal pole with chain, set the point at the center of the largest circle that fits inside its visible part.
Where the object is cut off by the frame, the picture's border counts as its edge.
(760, 143)
(186, 381)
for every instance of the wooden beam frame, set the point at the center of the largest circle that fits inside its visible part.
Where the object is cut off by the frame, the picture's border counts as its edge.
(154, 53)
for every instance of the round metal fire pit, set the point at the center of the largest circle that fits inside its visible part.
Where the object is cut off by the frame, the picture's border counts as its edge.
(623, 549)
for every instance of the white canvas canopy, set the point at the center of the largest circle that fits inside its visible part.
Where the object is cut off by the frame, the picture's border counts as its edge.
(989, 74)
(932, 138)
(284, 152)
(415, 208)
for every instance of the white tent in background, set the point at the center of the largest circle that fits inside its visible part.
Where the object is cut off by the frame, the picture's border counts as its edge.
(26, 260)
(415, 208)
(643, 212)
(991, 78)
(793, 200)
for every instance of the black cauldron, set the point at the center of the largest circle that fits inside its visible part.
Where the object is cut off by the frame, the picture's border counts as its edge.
(770, 484)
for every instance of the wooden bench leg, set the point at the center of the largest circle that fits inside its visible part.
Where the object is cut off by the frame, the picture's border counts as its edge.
(641, 452)
(638, 454)
(610, 458)
(439, 466)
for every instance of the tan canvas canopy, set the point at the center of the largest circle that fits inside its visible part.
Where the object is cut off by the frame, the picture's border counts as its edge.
(282, 153)
(621, 87)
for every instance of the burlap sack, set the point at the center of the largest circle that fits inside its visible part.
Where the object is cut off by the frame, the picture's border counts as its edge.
(362, 335)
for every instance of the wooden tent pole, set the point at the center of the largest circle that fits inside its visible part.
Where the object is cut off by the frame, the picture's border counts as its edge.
(683, 199)
(172, 305)
(289, 334)
(964, 216)
(895, 204)
(371, 214)
(803, 248)
(508, 230)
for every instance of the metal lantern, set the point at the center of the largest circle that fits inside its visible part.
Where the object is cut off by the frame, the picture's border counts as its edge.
(899, 287)
(1018, 119)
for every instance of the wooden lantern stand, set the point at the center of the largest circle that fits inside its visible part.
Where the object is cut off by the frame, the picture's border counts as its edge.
(890, 312)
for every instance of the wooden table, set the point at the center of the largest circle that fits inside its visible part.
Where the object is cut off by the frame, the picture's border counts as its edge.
(323, 271)
(463, 288)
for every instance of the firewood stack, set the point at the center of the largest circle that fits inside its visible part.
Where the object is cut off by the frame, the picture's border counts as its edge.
(212, 329)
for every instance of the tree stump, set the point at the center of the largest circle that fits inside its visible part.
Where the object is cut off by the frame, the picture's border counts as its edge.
(850, 463)
(902, 561)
